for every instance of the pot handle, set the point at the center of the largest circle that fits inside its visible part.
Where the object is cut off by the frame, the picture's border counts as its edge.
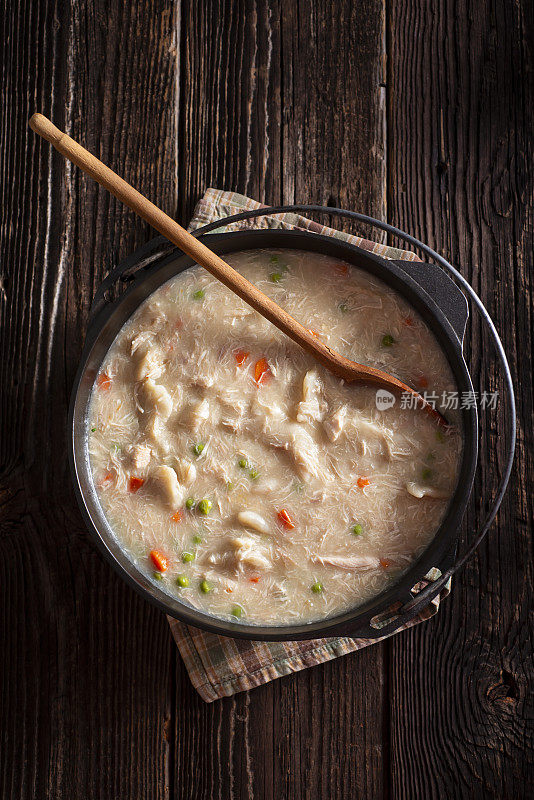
(417, 603)
(442, 290)
(126, 271)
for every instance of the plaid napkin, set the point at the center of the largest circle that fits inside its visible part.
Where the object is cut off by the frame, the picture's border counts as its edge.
(220, 666)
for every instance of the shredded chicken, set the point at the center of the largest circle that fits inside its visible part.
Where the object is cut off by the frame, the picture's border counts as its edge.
(306, 455)
(187, 472)
(350, 563)
(199, 413)
(249, 553)
(140, 339)
(311, 407)
(334, 424)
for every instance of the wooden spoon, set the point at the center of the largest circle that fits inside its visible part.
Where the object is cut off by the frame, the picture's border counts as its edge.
(342, 367)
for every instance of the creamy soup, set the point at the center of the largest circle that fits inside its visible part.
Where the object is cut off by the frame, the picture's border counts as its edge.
(241, 475)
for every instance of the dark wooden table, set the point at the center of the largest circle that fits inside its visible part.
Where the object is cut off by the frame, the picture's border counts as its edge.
(418, 112)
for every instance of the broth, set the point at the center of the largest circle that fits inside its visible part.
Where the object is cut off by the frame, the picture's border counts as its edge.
(244, 477)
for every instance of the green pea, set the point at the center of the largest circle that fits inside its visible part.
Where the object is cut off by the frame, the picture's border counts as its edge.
(204, 507)
(343, 307)
(317, 587)
(182, 581)
(440, 436)
(276, 277)
(254, 474)
(426, 474)
(229, 486)
(357, 529)
(387, 340)
(198, 448)
(197, 539)
(243, 463)
(199, 294)
(190, 503)
(93, 430)
(158, 576)
(186, 557)
(237, 611)
(205, 587)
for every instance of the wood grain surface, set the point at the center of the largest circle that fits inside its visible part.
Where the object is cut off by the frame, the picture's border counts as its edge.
(420, 113)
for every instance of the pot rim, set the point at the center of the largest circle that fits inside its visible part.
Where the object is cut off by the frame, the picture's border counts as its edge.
(441, 547)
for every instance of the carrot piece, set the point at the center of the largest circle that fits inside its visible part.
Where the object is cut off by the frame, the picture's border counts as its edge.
(363, 482)
(340, 269)
(261, 371)
(228, 590)
(254, 579)
(103, 381)
(160, 561)
(422, 382)
(134, 484)
(107, 480)
(408, 321)
(240, 357)
(177, 516)
(384, 563)
(285, 519)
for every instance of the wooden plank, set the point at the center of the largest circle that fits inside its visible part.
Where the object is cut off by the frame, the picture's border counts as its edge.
(459, 146)
(284, 102)
(85, 664)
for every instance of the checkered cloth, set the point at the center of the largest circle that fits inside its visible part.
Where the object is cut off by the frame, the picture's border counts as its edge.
(220, 666)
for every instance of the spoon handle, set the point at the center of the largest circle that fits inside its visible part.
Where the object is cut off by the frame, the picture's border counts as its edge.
(124, 192)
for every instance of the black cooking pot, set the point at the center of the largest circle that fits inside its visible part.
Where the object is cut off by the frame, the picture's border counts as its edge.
(429, 291)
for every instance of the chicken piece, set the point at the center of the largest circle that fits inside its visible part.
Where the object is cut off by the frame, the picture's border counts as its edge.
(305, 452)
(150, 363)
(239, 311)
(232, 408)
(396, 449)
(266, 410)
(199, 413)
(364, 298)
(264, 487)
(140, 455)
(335, 423)
(155, 398)
(371, 437)
(247, 552)
(419, 491)
(310, 407)
(250, 519)
(350, 563)
(187, 472)
(298, 442)
(156, 432)
(166, 480)
(203, 381)
(228, 584)
(139, 340)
